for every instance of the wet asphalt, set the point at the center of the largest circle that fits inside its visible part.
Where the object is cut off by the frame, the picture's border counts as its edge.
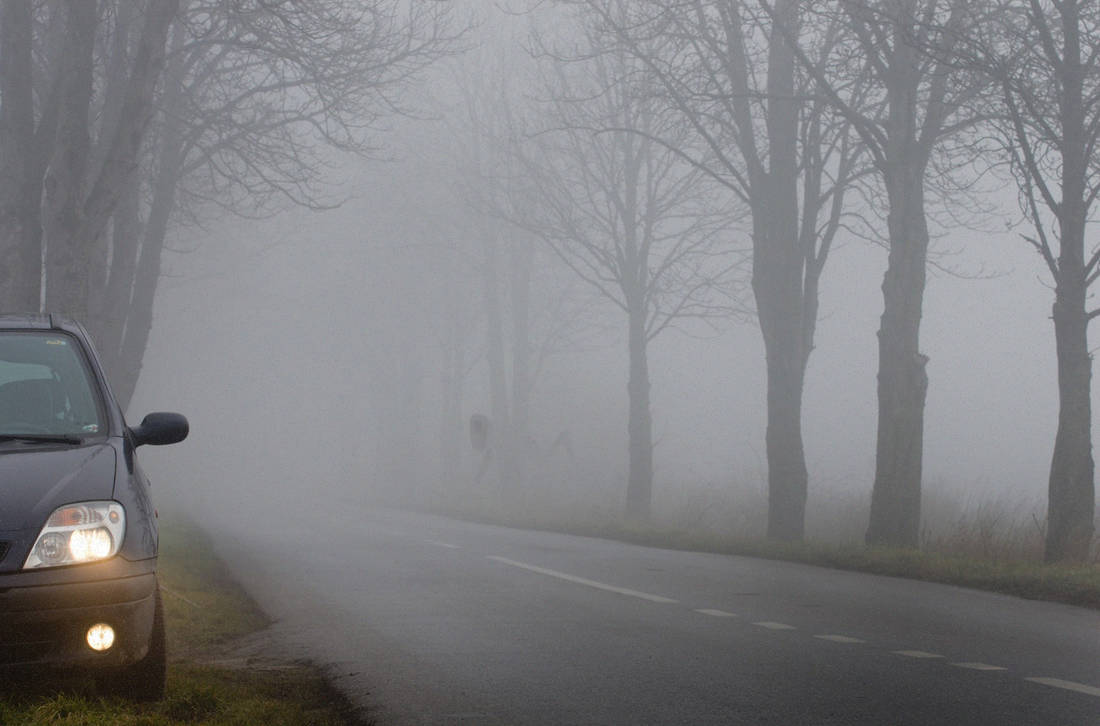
(428, 620)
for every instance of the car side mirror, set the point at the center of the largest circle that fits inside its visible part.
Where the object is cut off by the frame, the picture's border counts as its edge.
(158, 429)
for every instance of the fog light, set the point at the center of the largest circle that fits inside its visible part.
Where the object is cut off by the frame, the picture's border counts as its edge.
(101, 637)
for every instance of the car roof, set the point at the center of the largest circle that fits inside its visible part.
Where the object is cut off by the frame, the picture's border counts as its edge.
(38, 321)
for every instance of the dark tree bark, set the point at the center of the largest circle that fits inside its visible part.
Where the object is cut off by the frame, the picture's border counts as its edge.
(79, 200)
(918, 96)
(639, 486)
(1046, 61)
(902, 379)
(65, 178)
(146, 250)
(778, 285)
(139, 319)
(20, 252)
(1072, 495)
(734, 80)
(126, 233)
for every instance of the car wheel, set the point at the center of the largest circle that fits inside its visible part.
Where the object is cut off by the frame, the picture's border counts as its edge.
(143, 680)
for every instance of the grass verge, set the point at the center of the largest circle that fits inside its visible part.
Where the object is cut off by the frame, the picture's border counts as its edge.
(1071, 584)
(205, 609)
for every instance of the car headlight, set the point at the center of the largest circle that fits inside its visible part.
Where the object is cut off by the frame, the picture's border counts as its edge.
(77, 533)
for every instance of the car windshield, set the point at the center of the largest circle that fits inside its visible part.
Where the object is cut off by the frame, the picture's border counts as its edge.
(45, 387)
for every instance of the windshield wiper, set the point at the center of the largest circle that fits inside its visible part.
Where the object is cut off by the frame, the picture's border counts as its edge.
(43, 438)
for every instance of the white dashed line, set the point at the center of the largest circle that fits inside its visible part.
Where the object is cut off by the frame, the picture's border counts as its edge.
(772, 625)
(583, 581)
(917, 654)
(437, 543)
(1067, 685)
(979, 666)
(840, 638)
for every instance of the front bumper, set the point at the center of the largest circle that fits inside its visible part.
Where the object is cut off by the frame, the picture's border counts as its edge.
(44, 615)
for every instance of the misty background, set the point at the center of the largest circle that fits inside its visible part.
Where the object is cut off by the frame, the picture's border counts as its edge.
(306, 351)
(342, 235)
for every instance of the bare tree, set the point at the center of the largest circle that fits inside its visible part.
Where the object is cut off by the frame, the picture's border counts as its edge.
(256, 96)
(256, 93)
(1045, 61)
(627, 214)
(69, 152)
(917, 99)
(521, 299)
(764, 133)
(20, 248)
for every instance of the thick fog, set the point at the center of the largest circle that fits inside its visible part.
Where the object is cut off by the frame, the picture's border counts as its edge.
(273, 337)
(309, 350)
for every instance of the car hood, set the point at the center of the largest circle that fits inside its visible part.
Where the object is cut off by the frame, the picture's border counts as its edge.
(35, 481)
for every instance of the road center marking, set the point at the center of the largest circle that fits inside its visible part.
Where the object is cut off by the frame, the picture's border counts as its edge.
(917, 654)
(584, 581)
(840, 638)
(716, 613)
(774, 626)
(437, 543)
(1067, 685)
(979, 666)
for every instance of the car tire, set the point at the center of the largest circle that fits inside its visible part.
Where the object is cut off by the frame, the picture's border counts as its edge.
(144, 680)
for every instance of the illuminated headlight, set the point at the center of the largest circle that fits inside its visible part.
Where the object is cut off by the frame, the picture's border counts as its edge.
(76, 533)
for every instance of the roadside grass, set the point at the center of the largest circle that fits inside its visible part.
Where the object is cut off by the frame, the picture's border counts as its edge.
(204, 608)
(979, 549)
(203, 605)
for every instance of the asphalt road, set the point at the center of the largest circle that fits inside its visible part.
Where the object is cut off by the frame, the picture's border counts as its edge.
(427, 620)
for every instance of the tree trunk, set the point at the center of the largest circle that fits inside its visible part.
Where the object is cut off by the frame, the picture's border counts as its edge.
(519, 259)
(639, 487)
(66, 174)
(126, 234)
(1072, 495)
(902, 379)
(778, 269)
(20, 250)
(139, 317)
(124, 141)
(787, 475)
(147, 261)
(78, 207)
(502, 439)
(106, 283)
(778, 290)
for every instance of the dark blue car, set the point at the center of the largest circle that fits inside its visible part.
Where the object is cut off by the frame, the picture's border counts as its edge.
(78, 532)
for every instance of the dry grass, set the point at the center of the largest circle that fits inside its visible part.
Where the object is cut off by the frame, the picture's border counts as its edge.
(993, 543)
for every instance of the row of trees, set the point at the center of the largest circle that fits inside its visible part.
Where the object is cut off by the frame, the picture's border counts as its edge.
(122, 119)
(659, 131)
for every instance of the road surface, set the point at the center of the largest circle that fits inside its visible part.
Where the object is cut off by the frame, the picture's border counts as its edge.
(427, 620)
